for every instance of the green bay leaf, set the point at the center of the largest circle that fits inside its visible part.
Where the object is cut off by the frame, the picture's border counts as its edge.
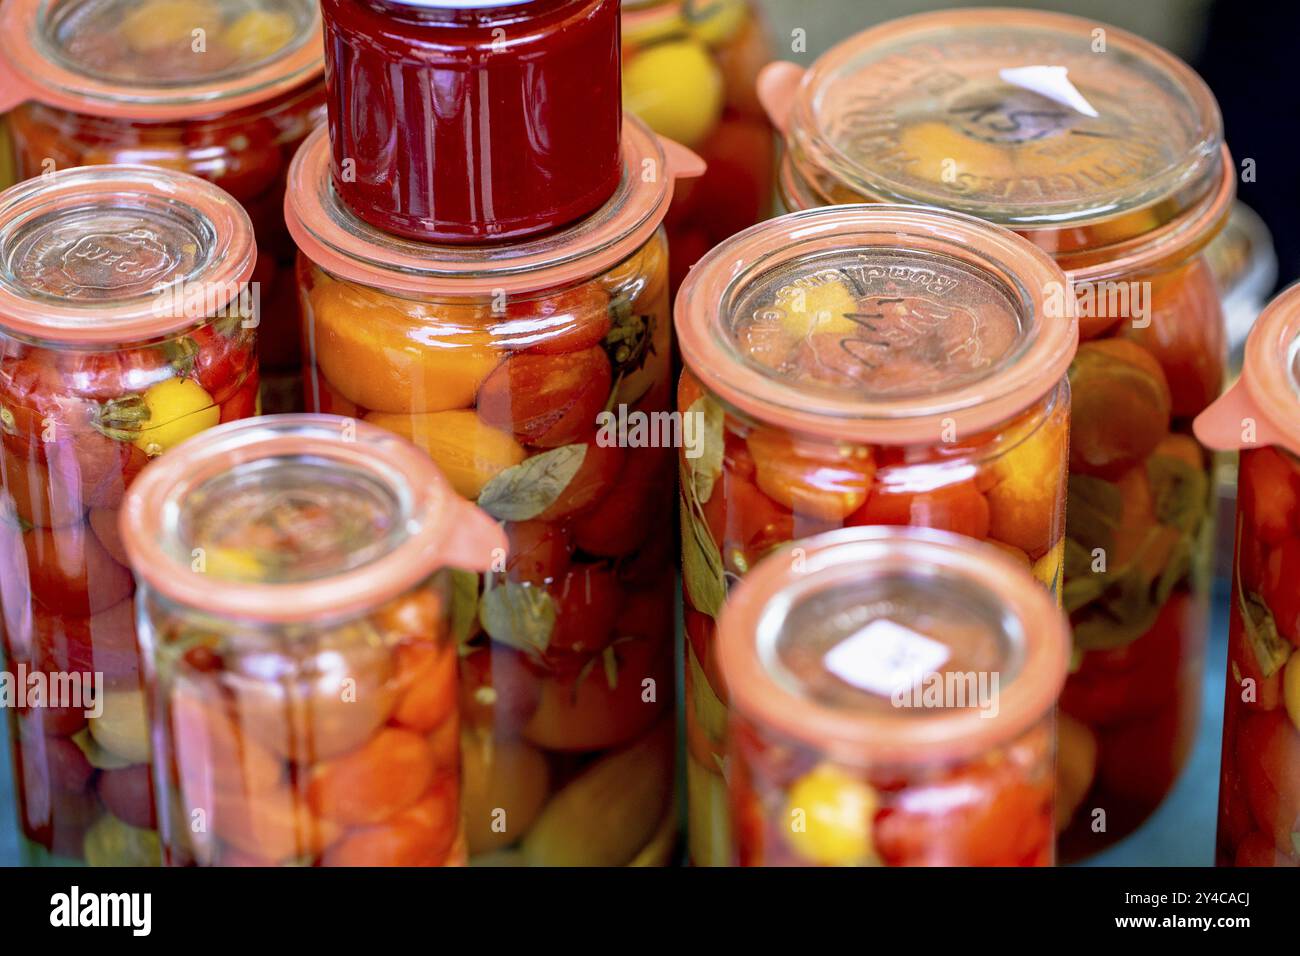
(703, 471)
(526, 490)
(703, 574)
(518, 615)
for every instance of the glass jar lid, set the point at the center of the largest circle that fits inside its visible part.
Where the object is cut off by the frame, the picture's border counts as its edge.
(329, 234)
(1040, 122)
(158, 59)
(893, 645)
(120, 254)
(1263, 406)
(298, 517)
(877, 323)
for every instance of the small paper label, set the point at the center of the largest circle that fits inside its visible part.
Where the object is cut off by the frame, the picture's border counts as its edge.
(885, 657)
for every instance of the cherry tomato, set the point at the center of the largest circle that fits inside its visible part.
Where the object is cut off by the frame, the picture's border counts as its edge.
(497, 688)
(822, 481)
(557, 323)
(276, 825)
(744, 522)
(958, 507)
(102, 643)
(370, 784)
(420, 835)
(640, 502)
(600, 470)
(426, 685)
(68, 768)
(71, 573)
(539, 551)
(587, 602)
(213, 755)
(1269, 494)
(1282, 588)
(127, 793)
(547, 400)
(42, 496)
(1121, 406)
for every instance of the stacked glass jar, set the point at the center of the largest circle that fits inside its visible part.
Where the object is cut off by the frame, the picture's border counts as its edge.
(690, 70)
(1106, 152)
(506, 309)
(1259, 787)
(860, 365)
(224, 89)
(125, 327)
(295, 611)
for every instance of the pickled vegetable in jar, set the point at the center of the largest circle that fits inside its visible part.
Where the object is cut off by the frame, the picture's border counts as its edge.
(860, 365)
(518, 99)
(125, 328)
(1259, 785)
(537, 377)
(1107, 152)
(893, 693)
(296, 606)
(690, 69)
(224, 89)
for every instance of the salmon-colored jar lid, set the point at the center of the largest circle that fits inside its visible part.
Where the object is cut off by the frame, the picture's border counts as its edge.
(877, 323)
(292, 518)
(328, 233)
(836, 643)
(114, 255)
(1263, 407)
(1041, 122)
(157, 59)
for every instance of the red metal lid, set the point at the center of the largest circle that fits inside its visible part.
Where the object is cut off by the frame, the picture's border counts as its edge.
(291, 518)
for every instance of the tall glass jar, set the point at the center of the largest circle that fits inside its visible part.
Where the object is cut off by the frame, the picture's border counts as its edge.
(224, 89)
(125, 327)
(1107, 152)
(893, 698)
(690, 71)
(473, 120)
(295, 611)
(1259, 786)
(860, 365)
(537, 377)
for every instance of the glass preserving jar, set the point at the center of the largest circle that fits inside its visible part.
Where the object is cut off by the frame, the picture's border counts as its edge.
(536, 376)
(893, 696)
(224, 89)
(518, 99)
(690, 70)
(295, 610)
(1259, 787)
(125, 327)
(1107, 152)
(860, 365)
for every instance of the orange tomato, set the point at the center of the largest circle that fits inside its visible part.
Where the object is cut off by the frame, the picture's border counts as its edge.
(555, 323)
(369, 785)
(547, 400)
(1269, 495)
(1121, 406)
(584, 712)
(639, 502)
(469, 452)
(212, 755)
(957, 507)
(601, 468)
(276, 825)
(420, 835)
(426, 685)
(395, 355)
(820, 480)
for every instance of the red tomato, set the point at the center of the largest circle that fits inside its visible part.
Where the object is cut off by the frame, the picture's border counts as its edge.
(958, 507)
(68, 767)
(221, 359)
(426, 681)
(547, 400)
(744, 522)
(586, 605)
(372, 783)
(71, 573)
(42, 497)
(1282, 588)
(1137, 762)
(601, 468)
(539, 551)
(557, 323)
(104, 523)
(497, 688)
(1268, 758)
(640, 501)
(421, 835)
(243, 403)
(1269, 495)
(979, 816)
(128, 795)
(103, 643)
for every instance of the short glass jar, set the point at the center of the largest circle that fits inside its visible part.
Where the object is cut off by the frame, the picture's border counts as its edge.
(295, 605)
(893, 697)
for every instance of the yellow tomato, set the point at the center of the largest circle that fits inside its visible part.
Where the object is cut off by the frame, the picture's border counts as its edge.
(676, 88)
(163, 23)
(822, 308)
(259, 33)
(829, 816)
(1291, 688)
(123, 727)
(179, 408)
(469, 452)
